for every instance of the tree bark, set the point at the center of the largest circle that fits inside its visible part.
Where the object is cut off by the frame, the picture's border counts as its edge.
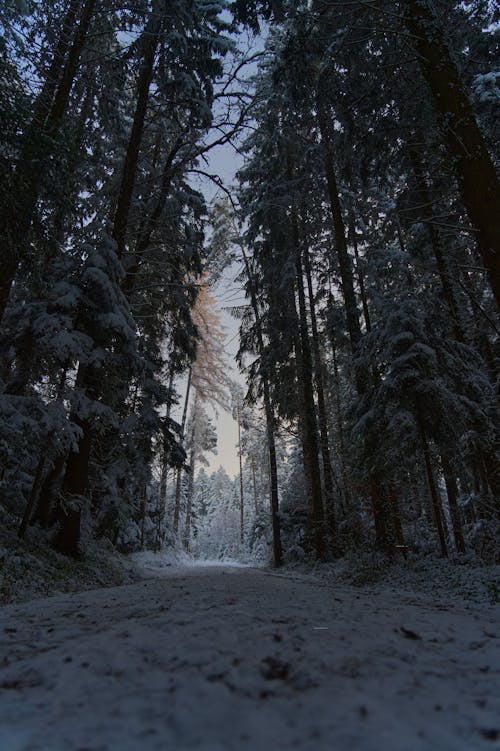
(178, 479)
(67, 540)
(433, 490)
(45, 512)
(344, 259)
(322, 406)
(241, 475)
(477, 180)
(148, 49)
(35, 489)
(61, 97)
(308, 415)
(452, 493)
(45, 98)
(254, 480)
(338, 419)
(361, 282)
(270, 422)
(189, 499)
(442, 262)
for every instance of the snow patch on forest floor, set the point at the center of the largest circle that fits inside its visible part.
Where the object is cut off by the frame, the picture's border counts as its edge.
(30, 568)
(235, 659)
(465, 579)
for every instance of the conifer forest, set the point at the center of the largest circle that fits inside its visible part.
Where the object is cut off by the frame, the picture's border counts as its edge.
(277, 220)
(363, 225)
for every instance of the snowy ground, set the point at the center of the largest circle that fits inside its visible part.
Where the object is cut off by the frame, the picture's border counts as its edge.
(242, 659)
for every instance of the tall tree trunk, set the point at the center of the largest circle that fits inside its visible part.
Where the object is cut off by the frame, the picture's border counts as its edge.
(149, 43)
(162, 489)
(77, 467)
(76, 475)
(178, 479)
(67, 540)
(254, 481)
(306, 400)
(433, 489)
(35, 489)
(270, 421)
(189, 499)
(343, 257)
(45, 512)
(452, 493)
(361, 375)
(442, 262)
(45, 98)
(238, 419)
(478, 182)
(339, 422)
(353, 238)
(322, 406)
(61, 98)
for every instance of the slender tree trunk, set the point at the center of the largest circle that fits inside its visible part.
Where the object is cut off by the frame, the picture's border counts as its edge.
(61, 98)
(307, 405)
(45, 98)
(178, 479)
(353, 238)
(148, 49)
(433, 490)
(270, 422)
(478, 182)
(76, 476)
(442, 262)
(241, 475)
(162, 490)
(142, 512)
(343, 257)
(189, 500)
(67, 540)
(45, 512)
(254, 479)
(322, 406)
(273, 475)
(396, 518)
(338, 420)
(452, 493)
(361, 375)
(35, 489)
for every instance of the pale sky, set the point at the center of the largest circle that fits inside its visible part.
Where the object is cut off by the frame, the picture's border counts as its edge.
(225, 161)
(228, 293)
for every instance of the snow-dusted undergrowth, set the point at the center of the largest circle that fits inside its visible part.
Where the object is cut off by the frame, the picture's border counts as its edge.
(30, 568)
(449, 581)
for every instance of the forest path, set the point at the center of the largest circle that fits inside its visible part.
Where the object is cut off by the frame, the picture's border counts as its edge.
(244, 660)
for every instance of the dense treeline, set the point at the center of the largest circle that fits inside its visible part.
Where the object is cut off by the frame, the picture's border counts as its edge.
(368, 237)
(371, 209)
(106, 110)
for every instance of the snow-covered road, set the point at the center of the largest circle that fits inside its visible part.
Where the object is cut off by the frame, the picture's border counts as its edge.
(244, 660)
